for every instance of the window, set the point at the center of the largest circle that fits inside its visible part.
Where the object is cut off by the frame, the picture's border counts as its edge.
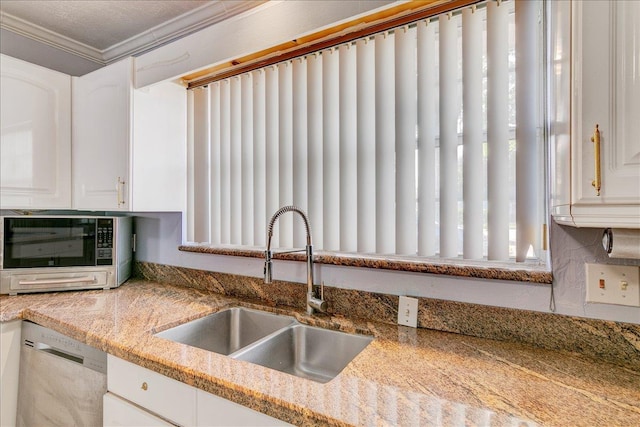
(424, 140)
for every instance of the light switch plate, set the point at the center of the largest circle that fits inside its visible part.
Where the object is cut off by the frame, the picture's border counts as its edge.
(613, 284)
(408, 311)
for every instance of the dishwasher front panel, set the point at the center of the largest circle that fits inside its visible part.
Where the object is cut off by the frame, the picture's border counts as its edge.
(56, 388)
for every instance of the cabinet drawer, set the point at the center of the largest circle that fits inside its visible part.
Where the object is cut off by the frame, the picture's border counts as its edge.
(216, 411)
(164, 396)
(121, 413)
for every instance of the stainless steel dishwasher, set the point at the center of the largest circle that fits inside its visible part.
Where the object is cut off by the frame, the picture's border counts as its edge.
(61, 381)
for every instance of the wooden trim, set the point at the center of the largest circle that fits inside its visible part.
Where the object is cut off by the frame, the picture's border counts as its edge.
(393, 17)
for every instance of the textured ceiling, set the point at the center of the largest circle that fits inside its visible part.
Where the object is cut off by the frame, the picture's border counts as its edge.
(99, 32)
(98, 24)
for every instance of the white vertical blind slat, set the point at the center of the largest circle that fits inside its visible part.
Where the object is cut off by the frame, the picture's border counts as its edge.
(225, 162)
(405, 145)
(300, 151)
(201, 165)
(259, 159)
(331, 149)
(385, 144)
(366, 113)
(448, 136)
(236, 161)
(497, 131)
(473, 177)
(191, 209)
(285, 123)
(427, 125)
(528, 163)
(214, 103)
(246, 86)
(314, 139)
(348, 150)
(272, 135)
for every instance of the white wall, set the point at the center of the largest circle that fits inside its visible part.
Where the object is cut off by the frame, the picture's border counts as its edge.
(160, 234)
(268, 25)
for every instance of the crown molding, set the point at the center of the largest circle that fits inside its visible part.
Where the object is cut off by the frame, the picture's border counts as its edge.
(178, 27)
(50, 38)
(166, 32)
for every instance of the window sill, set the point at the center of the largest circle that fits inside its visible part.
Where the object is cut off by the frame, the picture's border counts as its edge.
(525, 272)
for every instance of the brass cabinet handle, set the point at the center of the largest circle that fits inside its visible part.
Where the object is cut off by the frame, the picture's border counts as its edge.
(120, 192)
(596, 150)
(144, 386)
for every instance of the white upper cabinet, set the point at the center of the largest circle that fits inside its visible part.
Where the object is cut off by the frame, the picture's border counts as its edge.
(101, 136)
(35, 147)
(605, 92)
(129, 146)
(159, 150)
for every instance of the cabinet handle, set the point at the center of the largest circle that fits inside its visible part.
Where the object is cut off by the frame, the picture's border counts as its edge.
(596, 150)
(120, 192)
(144, 386)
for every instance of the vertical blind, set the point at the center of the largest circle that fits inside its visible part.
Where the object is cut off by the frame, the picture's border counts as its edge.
(423, 140)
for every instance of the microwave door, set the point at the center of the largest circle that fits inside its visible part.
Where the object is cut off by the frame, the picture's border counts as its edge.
(49, 242)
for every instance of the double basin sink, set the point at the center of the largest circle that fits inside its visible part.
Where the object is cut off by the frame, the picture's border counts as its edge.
(274, 341)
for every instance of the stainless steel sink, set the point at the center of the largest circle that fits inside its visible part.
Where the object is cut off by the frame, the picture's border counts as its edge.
(227, 331)
(305, 351)
(273, 341)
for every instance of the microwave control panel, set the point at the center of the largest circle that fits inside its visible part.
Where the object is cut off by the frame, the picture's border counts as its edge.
(104, 242)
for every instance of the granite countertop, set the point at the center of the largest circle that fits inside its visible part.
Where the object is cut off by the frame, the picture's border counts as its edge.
(404, 377)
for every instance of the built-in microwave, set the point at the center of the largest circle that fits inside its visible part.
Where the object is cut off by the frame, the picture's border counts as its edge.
(57, 253)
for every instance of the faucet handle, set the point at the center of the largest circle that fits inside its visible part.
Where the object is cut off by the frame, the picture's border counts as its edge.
(318, 304)
(267, 267)
(267, 272)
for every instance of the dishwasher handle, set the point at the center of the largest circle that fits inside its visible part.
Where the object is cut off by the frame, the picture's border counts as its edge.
(45, 340)
(57, 352)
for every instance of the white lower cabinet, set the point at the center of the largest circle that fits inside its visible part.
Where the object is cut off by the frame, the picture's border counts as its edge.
(122, 413)
(9, 368)
(163, 396)
(216, 411)
(137, 396)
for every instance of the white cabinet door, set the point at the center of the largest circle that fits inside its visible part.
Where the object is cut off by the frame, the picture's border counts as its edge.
(606, 92)
(129, 147)
(9, 368)
(154, 395)
(118, 412)
(164, 396)
(101, 137)
(35, 147)
(159, 160)
(216, 411)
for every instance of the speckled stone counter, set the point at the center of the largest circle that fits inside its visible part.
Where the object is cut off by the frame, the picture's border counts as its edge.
(532, 273)
(404, 377)
(614, 342)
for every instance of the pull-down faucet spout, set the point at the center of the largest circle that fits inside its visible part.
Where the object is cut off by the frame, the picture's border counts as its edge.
(313, 301)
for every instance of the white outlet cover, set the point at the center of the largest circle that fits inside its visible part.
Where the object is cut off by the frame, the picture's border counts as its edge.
(408, 311)
(620, 284)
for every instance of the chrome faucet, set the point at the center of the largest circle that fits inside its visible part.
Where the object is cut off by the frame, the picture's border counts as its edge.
(313, 301)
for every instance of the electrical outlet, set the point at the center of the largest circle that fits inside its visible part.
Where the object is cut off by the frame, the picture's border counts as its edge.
(408, 311)
(613, 284)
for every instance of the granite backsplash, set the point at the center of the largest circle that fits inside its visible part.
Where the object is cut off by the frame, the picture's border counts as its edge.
(614, 342)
